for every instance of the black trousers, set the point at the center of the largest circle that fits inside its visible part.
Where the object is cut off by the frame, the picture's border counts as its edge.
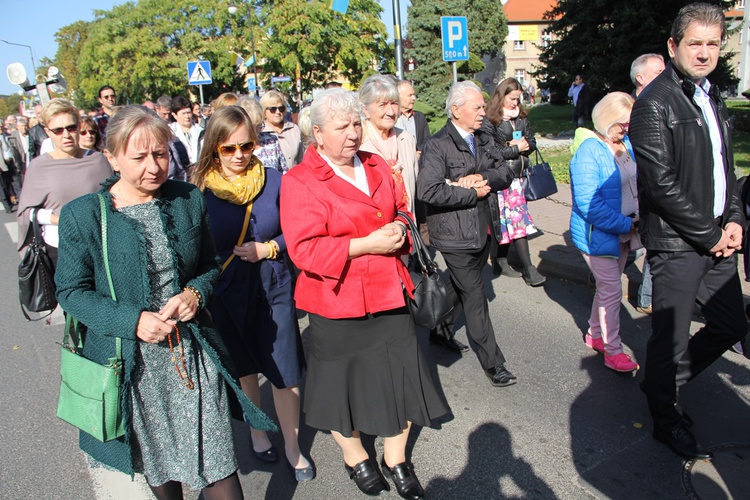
(672, 356)
(10, 185)
(466, 275)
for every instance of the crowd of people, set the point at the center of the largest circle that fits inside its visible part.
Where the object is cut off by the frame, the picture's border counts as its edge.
(226, 221)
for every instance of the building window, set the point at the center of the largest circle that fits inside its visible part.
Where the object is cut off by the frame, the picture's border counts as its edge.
(741, 4)
(519, 45)
(546, 39)
(521, 76)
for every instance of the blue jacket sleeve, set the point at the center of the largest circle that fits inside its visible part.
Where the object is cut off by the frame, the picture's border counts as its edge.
(586, 183)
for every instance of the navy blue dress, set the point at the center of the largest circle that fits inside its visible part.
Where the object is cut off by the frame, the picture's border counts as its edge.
(252, 304)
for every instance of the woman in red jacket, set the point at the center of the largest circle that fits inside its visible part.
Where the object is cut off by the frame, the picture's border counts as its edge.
(365, 371)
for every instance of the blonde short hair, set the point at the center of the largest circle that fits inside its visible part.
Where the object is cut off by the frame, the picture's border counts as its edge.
(254, 111)
(129, 119)
(56, 107)
(225, 99)
(272, 98)
(614, 108)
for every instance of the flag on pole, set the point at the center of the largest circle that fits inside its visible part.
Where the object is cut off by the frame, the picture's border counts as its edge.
(237, 61)
(338, 5)
(250, 61)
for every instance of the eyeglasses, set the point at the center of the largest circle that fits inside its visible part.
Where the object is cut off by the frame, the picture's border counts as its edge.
(276, 109)
(109, 96)
(59, 130)
(86, 132)
(231, 149)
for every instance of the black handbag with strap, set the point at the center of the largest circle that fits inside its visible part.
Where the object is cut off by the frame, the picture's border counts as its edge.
(432, 302)
(36, 275)
(537, 180)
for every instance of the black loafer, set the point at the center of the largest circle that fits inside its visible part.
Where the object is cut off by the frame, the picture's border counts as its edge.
(451, 344)
(269, 456)
(367, 478)
(403, 477)
(682, 442)
(500, 376)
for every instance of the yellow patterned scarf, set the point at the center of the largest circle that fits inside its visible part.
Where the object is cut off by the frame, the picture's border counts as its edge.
(241, 190)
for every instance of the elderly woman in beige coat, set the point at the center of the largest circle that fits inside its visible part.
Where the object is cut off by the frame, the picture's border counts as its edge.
(397, 147)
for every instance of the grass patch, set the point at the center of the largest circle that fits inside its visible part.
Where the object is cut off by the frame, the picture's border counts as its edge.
(547, 119)
(740, 111)
(558, 158)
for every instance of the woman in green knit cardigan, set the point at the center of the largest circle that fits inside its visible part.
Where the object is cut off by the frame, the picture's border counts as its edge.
(175, 403)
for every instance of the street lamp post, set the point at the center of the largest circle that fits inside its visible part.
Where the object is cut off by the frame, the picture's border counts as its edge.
(31, 51)
(233, 10)
(397, 39)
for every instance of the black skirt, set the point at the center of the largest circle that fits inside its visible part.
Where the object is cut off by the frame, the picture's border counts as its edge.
(367, 374)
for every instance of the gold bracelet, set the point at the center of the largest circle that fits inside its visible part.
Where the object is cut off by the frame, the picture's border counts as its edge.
(196, 294)
(274, 252)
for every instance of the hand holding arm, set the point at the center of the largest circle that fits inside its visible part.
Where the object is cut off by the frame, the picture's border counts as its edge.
(153, 328)
(181, 307)
(522, 144)
(252, 251)
(734, 231)
(471, 181)
(382, 241)
(722, 248)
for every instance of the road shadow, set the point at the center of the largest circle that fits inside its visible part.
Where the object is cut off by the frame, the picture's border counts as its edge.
(492, 471)
(282, 485)
(610, 425)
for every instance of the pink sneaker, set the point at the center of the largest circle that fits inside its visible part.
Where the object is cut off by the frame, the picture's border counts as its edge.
(595, 344)
(620, 363)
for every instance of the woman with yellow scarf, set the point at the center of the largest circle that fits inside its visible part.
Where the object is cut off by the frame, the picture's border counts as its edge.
(252, 304)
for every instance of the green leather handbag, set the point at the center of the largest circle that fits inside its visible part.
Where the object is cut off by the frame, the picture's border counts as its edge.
(90, 392)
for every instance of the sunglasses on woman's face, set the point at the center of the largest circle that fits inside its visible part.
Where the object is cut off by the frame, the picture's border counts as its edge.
(59, 130)
(231, 149)
(276, 109)
(85, 132)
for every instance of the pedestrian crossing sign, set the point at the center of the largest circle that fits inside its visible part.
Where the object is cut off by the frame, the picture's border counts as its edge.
(199, 73)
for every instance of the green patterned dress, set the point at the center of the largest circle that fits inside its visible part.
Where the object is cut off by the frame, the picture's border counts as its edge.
(180, 434)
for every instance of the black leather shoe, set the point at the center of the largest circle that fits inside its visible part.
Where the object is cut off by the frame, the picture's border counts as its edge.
(682, 442)
(500, 376)
(367, 478)
(269, 456)
(450, 344)
(403, 477)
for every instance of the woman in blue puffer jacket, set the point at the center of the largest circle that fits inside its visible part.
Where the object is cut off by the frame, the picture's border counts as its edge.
(604, 218)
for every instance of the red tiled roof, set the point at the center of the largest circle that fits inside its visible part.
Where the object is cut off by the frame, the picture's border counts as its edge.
(533, 10)
(517, 11)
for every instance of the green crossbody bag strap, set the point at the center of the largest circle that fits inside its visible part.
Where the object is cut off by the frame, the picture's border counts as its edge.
(105, 253)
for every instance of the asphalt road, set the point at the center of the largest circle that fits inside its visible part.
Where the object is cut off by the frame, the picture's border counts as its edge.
(570, 428)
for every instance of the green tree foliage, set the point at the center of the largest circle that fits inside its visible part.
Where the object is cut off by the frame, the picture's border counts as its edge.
(70, 40)
(600, 39)
(324, 43)
(432, 77)
(142, 49)
(9, 105)
(471, 67)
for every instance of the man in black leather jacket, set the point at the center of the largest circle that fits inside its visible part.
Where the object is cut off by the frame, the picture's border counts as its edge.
(459, 169)
(689, 220)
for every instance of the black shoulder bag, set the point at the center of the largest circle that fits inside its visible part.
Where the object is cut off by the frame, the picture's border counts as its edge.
(537, 180)
(431, 304)
(36, 275)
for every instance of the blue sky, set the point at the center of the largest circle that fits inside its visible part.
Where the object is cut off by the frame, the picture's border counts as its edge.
(36, 23)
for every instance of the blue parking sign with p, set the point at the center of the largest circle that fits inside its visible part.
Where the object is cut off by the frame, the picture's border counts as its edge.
(455, 35)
